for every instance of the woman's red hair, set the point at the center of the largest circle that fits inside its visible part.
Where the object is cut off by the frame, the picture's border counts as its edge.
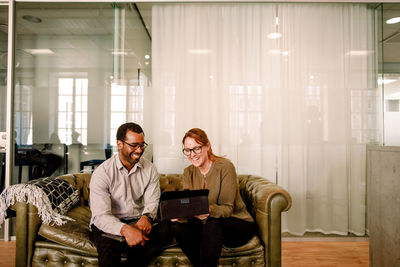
(200, 137)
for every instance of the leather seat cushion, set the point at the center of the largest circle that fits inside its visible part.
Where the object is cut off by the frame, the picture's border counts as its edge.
(252, 247)
(74, 234)
(250, 254)
(50, 254)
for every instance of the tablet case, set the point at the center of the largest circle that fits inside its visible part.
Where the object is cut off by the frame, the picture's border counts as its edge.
(183, 204)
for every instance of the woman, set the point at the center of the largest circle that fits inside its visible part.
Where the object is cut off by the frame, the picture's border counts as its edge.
(228, 221)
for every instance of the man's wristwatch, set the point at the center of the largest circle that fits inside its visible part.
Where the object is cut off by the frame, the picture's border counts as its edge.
(147, 215)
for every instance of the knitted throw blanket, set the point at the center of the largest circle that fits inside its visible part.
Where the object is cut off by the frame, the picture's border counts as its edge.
(52, 196)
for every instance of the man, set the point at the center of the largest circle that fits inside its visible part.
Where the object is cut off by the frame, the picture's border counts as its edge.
(124, 197)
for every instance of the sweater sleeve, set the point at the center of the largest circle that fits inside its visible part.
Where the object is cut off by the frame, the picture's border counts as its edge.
(187, 179)
(228, 187)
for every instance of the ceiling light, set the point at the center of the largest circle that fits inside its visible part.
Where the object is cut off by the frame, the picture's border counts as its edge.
(278, 52)
(385, 81)
(32, 19)
(146, 56)
(122, 52)
(44, 51)
(358, 52)
(119, 53)
(274, 35)
(393, 20)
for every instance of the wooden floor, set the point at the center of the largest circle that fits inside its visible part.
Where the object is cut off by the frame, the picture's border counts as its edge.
(294, 254)
(7, 254)
(326, 254)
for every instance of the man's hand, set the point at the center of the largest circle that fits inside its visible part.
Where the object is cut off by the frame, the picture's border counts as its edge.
(144, 225)
(133, 236)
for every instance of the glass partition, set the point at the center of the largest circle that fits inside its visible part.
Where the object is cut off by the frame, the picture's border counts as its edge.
(389, 62)
(82, 70)
(3, 94)
(3, 65)
(3, 91)
(294, 108)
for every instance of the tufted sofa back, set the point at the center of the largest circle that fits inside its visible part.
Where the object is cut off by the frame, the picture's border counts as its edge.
(81, 181)
(171, 182)
(252, 188)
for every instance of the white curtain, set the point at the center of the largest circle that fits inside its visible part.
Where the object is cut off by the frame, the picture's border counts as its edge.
(297, 110)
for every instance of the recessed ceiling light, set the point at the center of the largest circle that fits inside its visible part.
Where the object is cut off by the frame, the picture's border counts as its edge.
(358, 53)
(393, 20)
(385, 81)
(32, 19)
(274, 35)
(119, 53)
(146, 56)
(44, 51)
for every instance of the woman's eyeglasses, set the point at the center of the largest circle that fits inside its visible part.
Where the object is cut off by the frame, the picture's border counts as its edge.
(135, 146)
(196, 150)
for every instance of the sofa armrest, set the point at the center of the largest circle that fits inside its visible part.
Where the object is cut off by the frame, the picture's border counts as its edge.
(31, 207)
(266, 201)
(27, 226)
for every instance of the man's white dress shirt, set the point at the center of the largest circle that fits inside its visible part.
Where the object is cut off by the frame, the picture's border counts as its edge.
(116, 194)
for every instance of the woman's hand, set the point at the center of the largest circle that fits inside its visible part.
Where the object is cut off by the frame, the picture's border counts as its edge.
(202, 216)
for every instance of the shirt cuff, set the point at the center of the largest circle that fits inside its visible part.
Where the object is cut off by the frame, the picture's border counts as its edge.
(118, 227)
(149, 215)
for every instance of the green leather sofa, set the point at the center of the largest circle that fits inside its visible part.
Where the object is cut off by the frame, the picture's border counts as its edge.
(70, 244)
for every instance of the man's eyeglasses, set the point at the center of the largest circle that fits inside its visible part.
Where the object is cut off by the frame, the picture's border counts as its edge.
(135, 146)
(196, 150)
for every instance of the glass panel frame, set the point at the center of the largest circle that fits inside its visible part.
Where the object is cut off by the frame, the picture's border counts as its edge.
(389, 70)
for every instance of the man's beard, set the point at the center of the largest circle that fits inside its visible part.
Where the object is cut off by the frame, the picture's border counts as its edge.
(133, 158)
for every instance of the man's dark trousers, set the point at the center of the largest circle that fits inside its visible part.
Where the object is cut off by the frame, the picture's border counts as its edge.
(110, 250)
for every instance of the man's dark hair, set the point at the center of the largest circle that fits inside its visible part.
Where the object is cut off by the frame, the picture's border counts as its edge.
(129, 126)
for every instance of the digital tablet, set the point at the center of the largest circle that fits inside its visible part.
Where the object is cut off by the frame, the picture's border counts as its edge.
(183, 204)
